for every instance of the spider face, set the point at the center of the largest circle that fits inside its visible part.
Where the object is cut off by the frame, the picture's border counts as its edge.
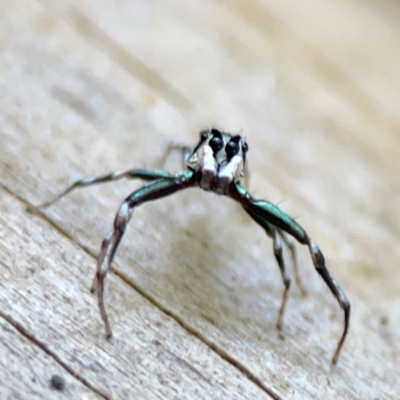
(220, 160)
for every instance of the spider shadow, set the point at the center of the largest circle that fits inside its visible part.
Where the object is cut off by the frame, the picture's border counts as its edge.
(206, 265)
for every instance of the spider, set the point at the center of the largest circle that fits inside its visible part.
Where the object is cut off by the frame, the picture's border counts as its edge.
(217, 163)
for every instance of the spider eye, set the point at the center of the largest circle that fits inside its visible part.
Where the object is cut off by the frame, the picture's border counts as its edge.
(245, 147)
(216, 143)
(203, 135)
(231, 149)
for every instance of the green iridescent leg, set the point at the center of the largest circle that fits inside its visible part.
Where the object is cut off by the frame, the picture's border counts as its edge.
(144, 174)
(265, 214)
(152, 191)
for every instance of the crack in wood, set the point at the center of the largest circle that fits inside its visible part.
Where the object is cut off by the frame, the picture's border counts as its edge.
(179, 320)
(29, 336)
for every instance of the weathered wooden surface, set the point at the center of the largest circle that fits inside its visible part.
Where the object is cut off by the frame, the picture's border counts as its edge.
(88, 87)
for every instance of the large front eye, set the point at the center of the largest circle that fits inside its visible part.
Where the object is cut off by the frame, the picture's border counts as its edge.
(231, 149)
(216, 143)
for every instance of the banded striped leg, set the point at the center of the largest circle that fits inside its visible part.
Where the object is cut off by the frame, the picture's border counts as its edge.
(265, 213)
(246, 177)
(274, 234)
(292, 248)
(144, 174)
(152, 191)
(185, 151)
(285, 276)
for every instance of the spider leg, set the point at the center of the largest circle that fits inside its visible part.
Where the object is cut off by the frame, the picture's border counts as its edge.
(285, 277)
(246, 176)
(274, 234)
(152, 191)
(292, 248)
(185, 151)
(262, 210)
(144, 174)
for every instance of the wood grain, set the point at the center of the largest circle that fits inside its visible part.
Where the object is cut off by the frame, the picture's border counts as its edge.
(87, 88)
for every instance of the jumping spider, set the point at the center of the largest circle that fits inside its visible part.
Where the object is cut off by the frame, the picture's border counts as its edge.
(217, 164)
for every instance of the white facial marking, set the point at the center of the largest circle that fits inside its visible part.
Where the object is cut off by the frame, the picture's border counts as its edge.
(207, 165)
(231, 172)
(215, 172)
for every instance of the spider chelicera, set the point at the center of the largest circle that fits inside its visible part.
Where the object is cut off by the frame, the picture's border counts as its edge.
(217, 164)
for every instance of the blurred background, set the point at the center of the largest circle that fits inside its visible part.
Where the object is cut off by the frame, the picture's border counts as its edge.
(90, 86)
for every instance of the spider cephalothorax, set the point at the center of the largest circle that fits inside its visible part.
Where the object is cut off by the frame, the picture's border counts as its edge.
(217, 163)
(220, 159)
